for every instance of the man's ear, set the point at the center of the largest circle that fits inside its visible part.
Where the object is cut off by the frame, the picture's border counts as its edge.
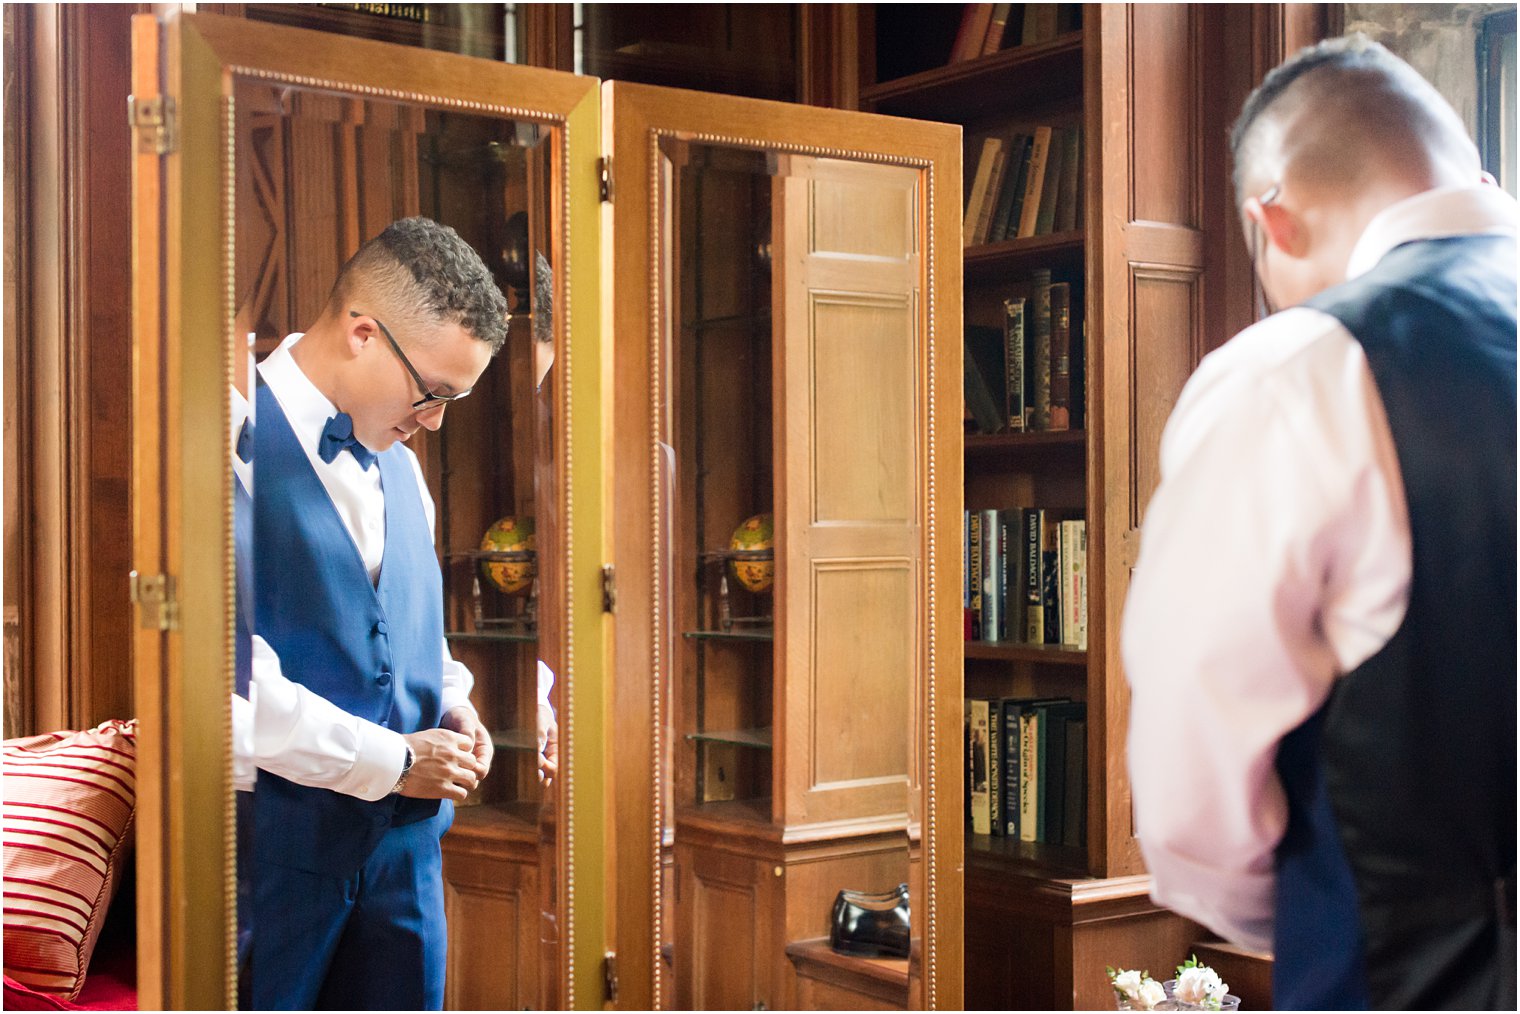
(358, 332)
(1278, 225)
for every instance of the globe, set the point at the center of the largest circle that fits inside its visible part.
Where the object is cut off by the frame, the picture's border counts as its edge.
(757, 532)
(509, 535)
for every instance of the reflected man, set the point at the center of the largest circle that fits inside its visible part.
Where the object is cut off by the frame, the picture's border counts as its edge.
(363, 727)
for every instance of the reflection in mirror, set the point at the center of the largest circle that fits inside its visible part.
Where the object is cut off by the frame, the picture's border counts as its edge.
(790, 555)
(397, 665)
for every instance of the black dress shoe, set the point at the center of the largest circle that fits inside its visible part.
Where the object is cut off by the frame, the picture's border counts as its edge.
(898, 893)
(872, 925)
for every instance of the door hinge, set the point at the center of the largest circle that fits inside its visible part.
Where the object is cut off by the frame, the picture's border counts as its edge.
(156, 123)
(1129, 549)
(604, 170)
(610, 976)
(157, 601)
(609, 589)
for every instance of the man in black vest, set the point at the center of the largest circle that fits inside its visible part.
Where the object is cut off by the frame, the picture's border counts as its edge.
(1320, 634)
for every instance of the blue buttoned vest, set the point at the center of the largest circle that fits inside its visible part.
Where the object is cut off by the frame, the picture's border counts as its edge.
(1396, 877)
(374, 651)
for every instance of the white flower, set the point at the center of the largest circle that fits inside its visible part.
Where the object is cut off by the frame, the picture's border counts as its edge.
(1200, 986)
(1151, 994)
(1128, 983)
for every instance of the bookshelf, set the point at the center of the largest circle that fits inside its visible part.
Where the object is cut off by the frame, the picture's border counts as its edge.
(1152, 276)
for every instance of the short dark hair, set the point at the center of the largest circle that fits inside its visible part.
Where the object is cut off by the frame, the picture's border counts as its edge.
(1352, 57)
(446, 279)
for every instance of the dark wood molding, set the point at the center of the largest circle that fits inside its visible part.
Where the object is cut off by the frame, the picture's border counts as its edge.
(548, 35)
(829, 55)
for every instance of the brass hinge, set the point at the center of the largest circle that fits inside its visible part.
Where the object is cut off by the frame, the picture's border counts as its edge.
(157, 601)
(604, 170)
(609, 589)
(610, 976)
(156, 124)
(1129, 549)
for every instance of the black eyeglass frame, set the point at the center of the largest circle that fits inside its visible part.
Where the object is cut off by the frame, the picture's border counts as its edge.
(428, 399)
(1264, 306)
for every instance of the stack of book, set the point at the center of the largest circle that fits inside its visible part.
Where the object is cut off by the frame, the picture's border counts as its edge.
(987, 28)
(1025, 577)
(1024, 377)
(1024, 184)
(1026, 769)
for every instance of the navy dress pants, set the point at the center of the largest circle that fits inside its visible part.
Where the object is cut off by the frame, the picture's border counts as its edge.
(372, 941)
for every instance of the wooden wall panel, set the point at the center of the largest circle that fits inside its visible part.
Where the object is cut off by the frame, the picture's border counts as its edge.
(865, 646)
(863, 409)
(1163, 127)
(1164, 345)
(68, 368)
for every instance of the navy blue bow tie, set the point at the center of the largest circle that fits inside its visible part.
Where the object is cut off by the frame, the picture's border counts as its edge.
(245, 441)
(339, 434)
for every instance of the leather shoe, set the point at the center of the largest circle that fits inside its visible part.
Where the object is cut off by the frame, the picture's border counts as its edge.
(872, 925)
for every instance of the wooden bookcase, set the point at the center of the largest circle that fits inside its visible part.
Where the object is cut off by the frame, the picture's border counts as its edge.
(1157, 270)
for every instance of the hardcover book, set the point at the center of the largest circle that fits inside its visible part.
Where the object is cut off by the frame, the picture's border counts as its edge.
(1039, 154)
(991, 577)
(1037, 347)
(985, 374)
(981, 813)
(1045, 218)
(1016, 179)
(1060, 356)
(1013, 353)
(994, 767)
(976, 575)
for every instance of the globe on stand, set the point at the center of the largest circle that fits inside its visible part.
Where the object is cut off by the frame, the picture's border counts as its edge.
(509, 535)
(754, 533)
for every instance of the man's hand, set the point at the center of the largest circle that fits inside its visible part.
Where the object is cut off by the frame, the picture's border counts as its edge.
(443, 766)
(465, 722)
(548, 757)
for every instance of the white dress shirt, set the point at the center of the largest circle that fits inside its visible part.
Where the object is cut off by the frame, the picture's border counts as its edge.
(1275, 557)
(284, 728)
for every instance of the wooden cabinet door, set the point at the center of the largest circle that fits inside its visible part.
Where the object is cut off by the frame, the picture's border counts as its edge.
(863, 256)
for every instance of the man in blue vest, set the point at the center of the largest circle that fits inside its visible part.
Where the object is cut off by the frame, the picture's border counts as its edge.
(363, 734)
(1320, 633)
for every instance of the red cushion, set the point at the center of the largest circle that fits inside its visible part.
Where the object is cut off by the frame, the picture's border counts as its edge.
(69, 798)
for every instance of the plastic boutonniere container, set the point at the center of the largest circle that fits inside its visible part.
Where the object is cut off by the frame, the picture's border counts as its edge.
(1198, 987)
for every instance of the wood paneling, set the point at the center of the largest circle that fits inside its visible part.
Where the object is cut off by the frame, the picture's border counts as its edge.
(494, 904)
(69, 412)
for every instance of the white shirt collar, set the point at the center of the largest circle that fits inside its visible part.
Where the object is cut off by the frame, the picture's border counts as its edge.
(306, 408)
(1445, 211)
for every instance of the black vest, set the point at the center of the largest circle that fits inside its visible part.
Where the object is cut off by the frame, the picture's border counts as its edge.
(1396, 877)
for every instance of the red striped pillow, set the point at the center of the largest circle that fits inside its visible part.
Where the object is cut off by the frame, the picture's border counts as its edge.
(69, 799)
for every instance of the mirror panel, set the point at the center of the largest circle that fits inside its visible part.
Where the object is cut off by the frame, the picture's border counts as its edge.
(790, 659)
(288, 149)
(319, 174)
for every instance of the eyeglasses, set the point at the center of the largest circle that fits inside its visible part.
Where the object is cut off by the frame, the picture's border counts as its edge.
(428, 399)
(1264, 306)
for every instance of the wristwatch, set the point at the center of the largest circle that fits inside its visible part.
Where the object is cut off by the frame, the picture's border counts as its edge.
(406, 767)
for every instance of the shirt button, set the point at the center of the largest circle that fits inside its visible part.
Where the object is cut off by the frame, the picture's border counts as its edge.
(385, 723)
(381, 628)
(384, 679)
(381, 820)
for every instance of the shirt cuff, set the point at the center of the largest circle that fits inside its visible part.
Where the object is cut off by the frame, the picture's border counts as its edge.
(244, 771)
(455, 697)
(380, 756)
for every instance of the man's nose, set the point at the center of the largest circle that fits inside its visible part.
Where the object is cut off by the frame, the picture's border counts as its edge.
(431, 417)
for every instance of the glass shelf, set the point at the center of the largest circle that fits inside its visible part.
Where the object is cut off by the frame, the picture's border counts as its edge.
(509, 636)
(759, 739)
(762, 636)
(515, 739)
